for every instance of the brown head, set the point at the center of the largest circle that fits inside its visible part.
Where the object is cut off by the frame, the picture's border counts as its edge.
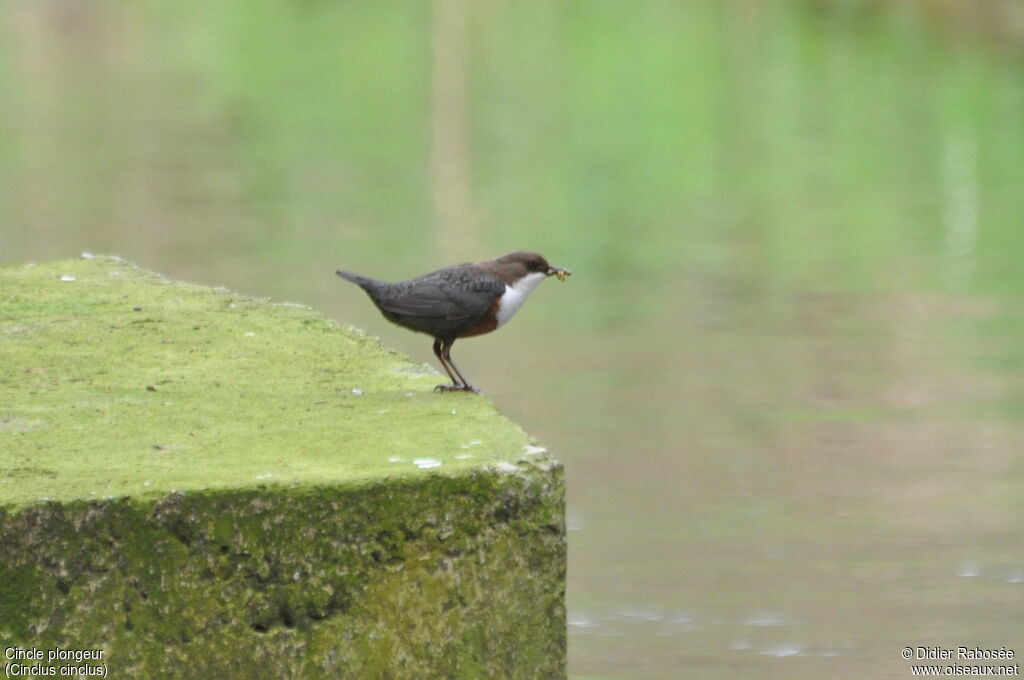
(514, 266)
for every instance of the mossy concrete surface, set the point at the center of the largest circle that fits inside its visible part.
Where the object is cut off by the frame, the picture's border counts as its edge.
(202, 484)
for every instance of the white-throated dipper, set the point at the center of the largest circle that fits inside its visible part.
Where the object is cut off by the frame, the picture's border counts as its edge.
(460, 301)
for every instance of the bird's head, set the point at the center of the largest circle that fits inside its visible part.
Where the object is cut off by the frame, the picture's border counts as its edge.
(523, 262)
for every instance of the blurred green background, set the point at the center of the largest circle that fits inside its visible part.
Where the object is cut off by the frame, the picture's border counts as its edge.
(787, 379)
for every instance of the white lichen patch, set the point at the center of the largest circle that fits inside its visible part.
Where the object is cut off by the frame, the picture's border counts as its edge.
(426, 463)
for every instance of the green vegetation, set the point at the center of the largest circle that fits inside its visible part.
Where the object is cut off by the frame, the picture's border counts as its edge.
(201, 388)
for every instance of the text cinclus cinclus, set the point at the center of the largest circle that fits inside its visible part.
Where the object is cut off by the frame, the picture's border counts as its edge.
(460, 301)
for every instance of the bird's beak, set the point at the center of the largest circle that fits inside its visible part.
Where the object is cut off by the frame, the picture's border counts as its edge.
(560, 272)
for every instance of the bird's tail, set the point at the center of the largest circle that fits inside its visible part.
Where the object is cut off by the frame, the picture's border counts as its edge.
(361, 281)
(374, 288)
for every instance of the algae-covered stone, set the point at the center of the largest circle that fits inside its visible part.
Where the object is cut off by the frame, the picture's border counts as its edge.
(194, 483)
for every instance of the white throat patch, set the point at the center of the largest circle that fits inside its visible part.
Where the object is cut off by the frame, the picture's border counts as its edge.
(516, 295)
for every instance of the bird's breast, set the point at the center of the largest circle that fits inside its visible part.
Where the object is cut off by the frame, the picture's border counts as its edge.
(515, 295)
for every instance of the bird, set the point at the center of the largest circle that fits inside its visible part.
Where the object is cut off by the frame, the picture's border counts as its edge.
(460, 301)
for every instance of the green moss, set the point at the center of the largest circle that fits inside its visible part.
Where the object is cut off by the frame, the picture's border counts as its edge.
(203, 389)
(165, 543)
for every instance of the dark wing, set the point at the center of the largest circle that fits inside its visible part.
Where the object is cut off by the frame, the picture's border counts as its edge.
(454, 294)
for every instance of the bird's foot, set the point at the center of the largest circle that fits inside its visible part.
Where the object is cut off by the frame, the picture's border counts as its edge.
(457, 388)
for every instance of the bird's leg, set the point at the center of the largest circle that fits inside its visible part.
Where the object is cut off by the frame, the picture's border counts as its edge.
(456, 385)
(446, 350)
